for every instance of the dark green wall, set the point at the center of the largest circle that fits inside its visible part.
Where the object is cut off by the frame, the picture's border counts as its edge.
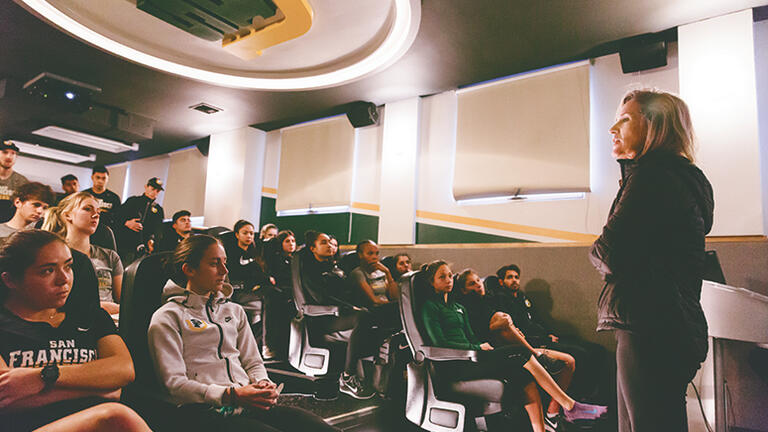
(365, 227)
(433, 234)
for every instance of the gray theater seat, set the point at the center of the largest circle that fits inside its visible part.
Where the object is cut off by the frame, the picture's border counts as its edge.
(302, 355)
(437, 403)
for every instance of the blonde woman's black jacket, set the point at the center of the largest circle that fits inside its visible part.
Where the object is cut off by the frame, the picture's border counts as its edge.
(651, 252)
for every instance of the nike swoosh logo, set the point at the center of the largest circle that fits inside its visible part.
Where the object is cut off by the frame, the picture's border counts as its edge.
(82, 329)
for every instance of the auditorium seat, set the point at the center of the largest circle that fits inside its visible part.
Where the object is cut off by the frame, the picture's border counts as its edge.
(438, 403)
(104, 237)
(349, 261)
(141, 296)
(492, 285)
(312, 360)
(217, 231)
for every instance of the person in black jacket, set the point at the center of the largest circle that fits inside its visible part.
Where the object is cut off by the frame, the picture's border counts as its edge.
(138, 222)
(651, 256)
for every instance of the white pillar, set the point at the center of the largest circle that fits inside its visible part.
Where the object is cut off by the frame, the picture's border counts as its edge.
(235, 177)
(397, 213)
(717, 80)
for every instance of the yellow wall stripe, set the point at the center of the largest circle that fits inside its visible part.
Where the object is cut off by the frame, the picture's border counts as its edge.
(523, 229)
(269, 190)
(365, 206)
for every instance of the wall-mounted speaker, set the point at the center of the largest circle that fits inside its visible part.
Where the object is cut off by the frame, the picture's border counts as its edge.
(643, 53)
(362, 114)
(203, 144)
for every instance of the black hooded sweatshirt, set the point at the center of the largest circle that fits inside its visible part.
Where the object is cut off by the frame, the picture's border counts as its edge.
(651, 253)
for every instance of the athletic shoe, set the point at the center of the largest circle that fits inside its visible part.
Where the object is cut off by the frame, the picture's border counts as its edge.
(583, 411)
(551, 423)
(552, 366)
(352, 386)
(267, 353)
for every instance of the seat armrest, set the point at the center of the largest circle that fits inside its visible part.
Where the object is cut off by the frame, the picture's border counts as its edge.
(320, 310)
(444, 354)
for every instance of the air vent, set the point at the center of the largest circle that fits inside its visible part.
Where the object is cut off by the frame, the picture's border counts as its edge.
(205, 108)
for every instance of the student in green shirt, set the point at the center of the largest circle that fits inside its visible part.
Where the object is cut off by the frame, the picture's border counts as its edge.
(447, 325)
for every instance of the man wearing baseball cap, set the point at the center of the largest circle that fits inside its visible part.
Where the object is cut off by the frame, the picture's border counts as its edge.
(10, 180)
(182, 228)
(138, 222)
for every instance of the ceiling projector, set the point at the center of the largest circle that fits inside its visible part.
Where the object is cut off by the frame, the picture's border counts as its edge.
(64, 93)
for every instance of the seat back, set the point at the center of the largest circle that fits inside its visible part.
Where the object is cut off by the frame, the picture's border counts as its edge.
(410, 312)
(349, 261)
(218, 230)
(141, 296)
(104, 237)
(492, 285)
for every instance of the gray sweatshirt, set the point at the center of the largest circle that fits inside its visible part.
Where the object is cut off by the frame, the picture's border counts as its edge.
(201, 346)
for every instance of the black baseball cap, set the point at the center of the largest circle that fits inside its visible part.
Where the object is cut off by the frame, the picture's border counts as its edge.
(180, 214)
(155, 183)
(9, 145)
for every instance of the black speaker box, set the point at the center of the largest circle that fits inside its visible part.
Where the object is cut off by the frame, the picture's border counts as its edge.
(203, 144)
(362, 114)
(642, 54)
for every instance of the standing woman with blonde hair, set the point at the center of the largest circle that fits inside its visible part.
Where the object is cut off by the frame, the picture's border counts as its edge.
(651, 256)
(75, 219)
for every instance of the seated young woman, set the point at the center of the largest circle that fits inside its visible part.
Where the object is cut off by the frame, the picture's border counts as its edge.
(244, 259)
(322, 283)
(278, 300)
(376, 286)
(447, 325)
(488, 323)
(59, 371)
(206, 356)
(76, 219)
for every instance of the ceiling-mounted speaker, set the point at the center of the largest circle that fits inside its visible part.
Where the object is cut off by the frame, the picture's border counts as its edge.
(643, 53)
(362, 114)
(203, 145)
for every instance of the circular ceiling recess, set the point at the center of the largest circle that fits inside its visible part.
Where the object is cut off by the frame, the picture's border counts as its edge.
(346, 41)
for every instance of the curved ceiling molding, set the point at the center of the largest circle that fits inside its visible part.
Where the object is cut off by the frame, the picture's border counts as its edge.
(342, 46)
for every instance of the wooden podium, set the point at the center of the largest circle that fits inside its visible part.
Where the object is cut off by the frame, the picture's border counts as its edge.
(735, 314)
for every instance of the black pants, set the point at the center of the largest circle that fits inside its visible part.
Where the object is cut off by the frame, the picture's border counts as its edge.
(503, 363)
(276, 318)
(203, 418)
(591, 364)
(347, 320)
(33, 418)
(651, 383)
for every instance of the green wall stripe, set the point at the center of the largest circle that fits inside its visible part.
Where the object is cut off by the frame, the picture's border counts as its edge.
(338, 224)
(364, 227)
(433, 234)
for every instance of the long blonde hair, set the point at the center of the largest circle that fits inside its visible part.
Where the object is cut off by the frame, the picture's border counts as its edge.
(669, 122)
(54, 218)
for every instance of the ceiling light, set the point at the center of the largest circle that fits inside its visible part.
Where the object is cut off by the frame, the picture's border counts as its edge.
(400, 37)
(84, 139)
(47, 152)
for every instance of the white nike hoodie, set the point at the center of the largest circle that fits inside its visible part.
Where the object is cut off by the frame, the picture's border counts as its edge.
(202, 345)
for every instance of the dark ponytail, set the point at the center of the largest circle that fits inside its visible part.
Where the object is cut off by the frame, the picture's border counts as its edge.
(189, 251)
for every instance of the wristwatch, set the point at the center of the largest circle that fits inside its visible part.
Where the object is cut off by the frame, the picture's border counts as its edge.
(49, 375)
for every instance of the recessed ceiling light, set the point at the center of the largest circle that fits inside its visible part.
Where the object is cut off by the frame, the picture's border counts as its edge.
(84, 139)
(205, 108)
(47, 152)
(405, 25)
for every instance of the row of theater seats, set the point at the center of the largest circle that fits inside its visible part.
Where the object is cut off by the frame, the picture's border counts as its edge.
(433, 402)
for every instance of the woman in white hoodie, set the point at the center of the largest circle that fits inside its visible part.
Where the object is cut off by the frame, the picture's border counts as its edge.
(206, 355)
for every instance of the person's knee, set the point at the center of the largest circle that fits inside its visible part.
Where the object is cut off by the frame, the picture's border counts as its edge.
(117, 417)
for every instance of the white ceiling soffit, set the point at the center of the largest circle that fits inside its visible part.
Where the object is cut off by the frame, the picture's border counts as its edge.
(348, 40)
